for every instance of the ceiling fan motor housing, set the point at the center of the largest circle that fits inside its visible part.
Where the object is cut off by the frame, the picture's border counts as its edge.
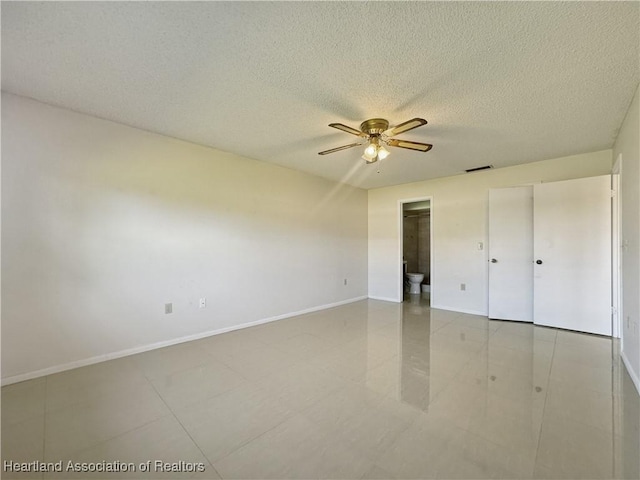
(374, 126)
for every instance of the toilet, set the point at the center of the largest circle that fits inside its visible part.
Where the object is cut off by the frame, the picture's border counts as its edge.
(415, 279)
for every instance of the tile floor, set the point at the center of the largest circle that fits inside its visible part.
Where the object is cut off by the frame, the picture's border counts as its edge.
(366, 390)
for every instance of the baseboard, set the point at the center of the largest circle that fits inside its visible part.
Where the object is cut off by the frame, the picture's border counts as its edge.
(459, 310)
(632, 374)
(166, 343)
(385, 299)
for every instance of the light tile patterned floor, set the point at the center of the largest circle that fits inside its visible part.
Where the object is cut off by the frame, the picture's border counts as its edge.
(367, 390)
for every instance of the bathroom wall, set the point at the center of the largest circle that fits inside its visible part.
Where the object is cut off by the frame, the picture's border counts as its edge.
(416, 243)
(424, 246)
(102, 224)
(410, 242)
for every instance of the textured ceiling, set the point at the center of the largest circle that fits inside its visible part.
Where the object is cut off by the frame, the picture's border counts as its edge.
(500, 83)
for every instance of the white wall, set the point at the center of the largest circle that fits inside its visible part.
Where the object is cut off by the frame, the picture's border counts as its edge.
(628, 146)
(459, 222)
(103, 223)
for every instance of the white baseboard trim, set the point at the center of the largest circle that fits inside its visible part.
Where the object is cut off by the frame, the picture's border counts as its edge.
(459, 310)
(385, 299)
(634, 375)
(166, 343)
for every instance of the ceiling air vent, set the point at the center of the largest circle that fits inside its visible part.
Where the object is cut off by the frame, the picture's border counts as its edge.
(477, 169)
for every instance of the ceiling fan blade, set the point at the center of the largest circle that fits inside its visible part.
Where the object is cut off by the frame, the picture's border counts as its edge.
(405, 126)
(348, 129)
(337, 149)
(421, 147)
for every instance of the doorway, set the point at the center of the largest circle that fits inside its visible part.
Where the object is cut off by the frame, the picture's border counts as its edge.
(416, 248)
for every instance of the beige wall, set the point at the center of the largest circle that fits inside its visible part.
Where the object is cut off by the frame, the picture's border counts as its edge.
(627, 146)
(459, 223)
(103, 224)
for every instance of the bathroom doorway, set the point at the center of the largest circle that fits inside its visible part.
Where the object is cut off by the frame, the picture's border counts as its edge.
(416, 228)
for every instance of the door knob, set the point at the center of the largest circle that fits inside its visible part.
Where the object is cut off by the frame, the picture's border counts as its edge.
(539, 262)
(493, 260)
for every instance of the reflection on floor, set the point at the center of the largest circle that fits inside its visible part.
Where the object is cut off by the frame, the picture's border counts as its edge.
(366, 390)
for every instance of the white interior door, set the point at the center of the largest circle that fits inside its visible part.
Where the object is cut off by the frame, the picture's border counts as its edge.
(511, 253)
(572, 252)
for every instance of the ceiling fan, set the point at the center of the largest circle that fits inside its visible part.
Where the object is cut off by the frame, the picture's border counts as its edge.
(377, 134)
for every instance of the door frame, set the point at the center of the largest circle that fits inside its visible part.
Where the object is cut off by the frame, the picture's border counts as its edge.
(616, 253)
(401, 202)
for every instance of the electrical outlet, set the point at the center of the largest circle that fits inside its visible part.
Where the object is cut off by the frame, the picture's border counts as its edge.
(203, 302)
(463, 287)
(168, 308)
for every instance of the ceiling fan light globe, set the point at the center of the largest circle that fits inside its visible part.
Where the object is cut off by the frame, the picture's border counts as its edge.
(370, 158)
(383, 153)
(370, 151)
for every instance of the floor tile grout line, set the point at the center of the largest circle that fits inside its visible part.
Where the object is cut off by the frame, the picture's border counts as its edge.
(155, 379)
(121, 434)
(151, 384)
(124, 432)
(249, 440)
(86, 400)
(108, 439)
(186, 431)
(489, 440)
(44, 421)
(614, 403)
(287, 417)
(209, 361)
(544, 405)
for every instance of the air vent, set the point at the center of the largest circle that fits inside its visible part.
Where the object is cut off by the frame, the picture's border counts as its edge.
(477, 169)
